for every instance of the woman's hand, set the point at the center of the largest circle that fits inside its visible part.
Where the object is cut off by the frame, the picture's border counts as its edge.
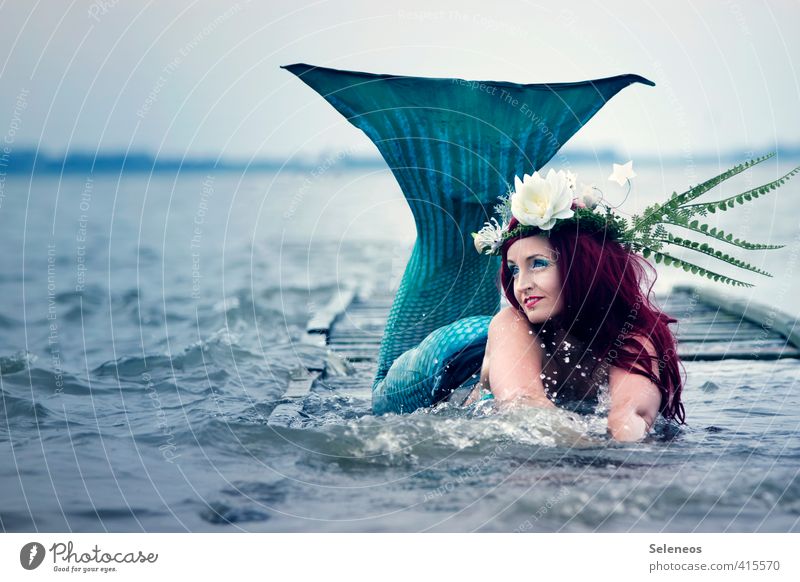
(529, 400)
(627, 426)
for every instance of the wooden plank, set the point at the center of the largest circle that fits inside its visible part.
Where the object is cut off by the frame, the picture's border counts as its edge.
(347, 326)
(336, 337)
(360, 355)
(723, 320)
(715, 336)
(324, 319)
(354, 340)
(378, 318)
(359, 349)
(728, 332)
(348, 383)
(354, 331)
(342, 348)
(350, 323)
(301, 382)
(314, 339)
(760, 315)
(719, 338)
(685, 353)
(741, 350)
(720, 325)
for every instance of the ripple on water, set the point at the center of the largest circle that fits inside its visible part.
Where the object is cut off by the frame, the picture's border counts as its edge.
(17, 408)
(16, 362)
(425, 437)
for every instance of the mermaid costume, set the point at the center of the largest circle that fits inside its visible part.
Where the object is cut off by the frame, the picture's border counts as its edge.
(454, 146)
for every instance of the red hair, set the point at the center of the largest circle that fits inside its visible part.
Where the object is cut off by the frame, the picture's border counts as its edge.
(606, 297)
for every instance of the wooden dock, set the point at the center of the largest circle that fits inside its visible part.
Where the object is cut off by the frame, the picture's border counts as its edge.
(710, 327)
(714, 327)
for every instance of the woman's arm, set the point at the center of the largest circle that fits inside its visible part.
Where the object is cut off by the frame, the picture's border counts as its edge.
(515, 360)
(635, 401)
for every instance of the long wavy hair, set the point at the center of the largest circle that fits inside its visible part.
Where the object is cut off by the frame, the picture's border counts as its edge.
(606, 291)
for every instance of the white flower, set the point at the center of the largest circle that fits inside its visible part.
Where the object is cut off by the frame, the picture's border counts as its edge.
(622, 173)
(589, 196)
(571, 179)
(488, 239)
(538, 201)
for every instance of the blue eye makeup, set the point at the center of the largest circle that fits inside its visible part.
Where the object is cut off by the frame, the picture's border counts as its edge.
(537, 264)
(540, 263)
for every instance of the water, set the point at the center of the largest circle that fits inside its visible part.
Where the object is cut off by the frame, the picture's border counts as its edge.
(149, 325)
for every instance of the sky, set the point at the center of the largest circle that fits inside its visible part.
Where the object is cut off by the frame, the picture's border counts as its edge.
(203, 78)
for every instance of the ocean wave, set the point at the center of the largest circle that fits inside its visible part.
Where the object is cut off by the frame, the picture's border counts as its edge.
(17, 407)
(425, 437)
(49, 382)
(7, 322)
(16, 362)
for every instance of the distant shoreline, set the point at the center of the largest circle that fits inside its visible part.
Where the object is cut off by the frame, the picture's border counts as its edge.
(29, 161)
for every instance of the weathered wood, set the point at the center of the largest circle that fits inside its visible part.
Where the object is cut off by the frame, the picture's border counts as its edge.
(323, 320)
(354, 340)
(717, 325)
(301, 384)
(715, 318)
(710, 327)
(761, 315)
(369, 355)
(302, 381)
(711, 336)
(314, 339)
(725, 352)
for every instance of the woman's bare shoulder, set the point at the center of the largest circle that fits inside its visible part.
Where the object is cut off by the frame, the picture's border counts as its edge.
(513, 361)
(509, 327)
(508, 316)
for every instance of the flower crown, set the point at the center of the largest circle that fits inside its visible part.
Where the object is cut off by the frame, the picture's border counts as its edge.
(545, 205)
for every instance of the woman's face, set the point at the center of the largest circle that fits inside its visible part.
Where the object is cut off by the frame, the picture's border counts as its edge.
(537, 280)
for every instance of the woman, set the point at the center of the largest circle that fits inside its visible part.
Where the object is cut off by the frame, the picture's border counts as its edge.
(578, 318)
(579, 314)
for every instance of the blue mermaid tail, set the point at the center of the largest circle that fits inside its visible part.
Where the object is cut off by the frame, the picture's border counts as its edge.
(453, 146)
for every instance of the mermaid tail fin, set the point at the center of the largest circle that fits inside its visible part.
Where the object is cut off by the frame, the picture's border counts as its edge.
(454, 146)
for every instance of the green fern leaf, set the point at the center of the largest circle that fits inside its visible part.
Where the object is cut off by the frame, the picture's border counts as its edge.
(711, 252)
(740, 198)
(701, 189)
(719, 234)
(674, 206)
(659, 257)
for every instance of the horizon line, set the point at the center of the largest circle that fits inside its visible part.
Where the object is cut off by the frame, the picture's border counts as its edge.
(31, 160)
